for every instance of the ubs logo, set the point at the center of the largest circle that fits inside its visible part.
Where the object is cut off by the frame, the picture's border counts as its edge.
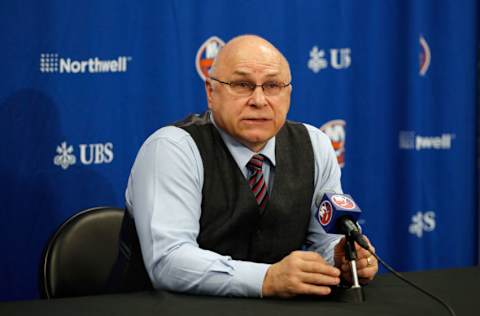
(337, 58)
(98, 153)
(422, 222)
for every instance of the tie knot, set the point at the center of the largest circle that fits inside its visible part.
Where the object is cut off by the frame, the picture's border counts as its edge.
(256, 163)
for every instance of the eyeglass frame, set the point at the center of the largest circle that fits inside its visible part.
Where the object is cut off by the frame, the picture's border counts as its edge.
(253, 86)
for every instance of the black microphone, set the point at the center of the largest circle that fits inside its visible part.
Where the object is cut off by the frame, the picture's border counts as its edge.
(338, 214)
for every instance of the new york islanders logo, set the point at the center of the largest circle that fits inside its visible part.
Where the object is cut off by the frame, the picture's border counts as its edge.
(335, 130)
(343, 202)
(206, 54)
(325, 212)
(425, 56)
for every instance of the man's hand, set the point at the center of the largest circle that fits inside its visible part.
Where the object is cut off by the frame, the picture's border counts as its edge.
(301, 272)
(367, 265)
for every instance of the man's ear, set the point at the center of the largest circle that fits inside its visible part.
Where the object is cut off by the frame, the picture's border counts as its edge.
(209, 92)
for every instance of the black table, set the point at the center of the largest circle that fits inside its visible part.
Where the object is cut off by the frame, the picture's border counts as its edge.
(385, 296)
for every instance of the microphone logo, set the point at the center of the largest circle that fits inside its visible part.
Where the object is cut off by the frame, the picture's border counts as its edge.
(343, 202)
(325, 212)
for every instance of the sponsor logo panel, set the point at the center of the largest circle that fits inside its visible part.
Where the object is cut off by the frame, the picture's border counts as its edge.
(87, 154)
(421, 223)
(335, 58)
(410, 140)
(54, 63)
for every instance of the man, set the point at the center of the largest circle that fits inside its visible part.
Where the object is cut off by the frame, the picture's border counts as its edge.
(223, 204)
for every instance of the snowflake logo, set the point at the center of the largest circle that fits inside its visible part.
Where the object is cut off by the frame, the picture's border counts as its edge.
(317, 60)
(65, 156)
(416, 226)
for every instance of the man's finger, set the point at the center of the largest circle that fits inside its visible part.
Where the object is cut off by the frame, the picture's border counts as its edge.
(367, 262)
(309, 289)
(319, 268)
(367, 273)
(319, 279)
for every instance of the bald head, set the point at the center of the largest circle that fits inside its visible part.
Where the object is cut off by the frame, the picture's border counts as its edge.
(249, 48)
(254, 115)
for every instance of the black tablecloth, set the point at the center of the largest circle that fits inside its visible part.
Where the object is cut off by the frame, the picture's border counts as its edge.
(386, 295)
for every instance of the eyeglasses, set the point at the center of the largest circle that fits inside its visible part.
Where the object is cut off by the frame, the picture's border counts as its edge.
(246, 88)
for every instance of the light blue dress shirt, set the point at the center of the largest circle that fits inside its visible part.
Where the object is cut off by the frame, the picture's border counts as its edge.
(164, 196)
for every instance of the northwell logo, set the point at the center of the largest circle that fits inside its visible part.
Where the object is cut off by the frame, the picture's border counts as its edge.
(408, 140)
(53, 63)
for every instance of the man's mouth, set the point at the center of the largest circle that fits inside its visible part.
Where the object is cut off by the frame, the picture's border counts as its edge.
(257, 119)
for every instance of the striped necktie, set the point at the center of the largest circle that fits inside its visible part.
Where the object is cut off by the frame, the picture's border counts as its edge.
(257, 182)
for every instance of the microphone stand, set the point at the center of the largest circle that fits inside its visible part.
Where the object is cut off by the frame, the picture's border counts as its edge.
(354, 293)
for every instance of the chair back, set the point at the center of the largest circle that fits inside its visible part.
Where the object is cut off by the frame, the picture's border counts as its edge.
(80, 255)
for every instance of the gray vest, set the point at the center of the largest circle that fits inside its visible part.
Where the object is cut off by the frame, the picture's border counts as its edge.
(231, 222)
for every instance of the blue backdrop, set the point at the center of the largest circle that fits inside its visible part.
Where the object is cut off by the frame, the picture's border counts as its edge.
(393, 83)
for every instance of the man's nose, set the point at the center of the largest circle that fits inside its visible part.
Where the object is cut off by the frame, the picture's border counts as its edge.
(258, 97)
